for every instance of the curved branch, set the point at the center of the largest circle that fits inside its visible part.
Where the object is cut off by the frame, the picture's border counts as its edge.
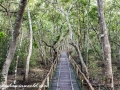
(3, 7)
(71, 6)
(46, 44)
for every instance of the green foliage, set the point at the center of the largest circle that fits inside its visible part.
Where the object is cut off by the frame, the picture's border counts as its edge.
(93, 14)
(84, 2)
(33, 58)
(3, 48)
(32, 63)
(93, 66)
(53, 16)
(1, 1)
(39, 4)
(25, 16)
(2, 36)
(12, 67)
(50, 20)
(22, 57)
(65, 1)
(34, 27)
(57, 38)
(103, 78)
(92, 34)
(35, 45)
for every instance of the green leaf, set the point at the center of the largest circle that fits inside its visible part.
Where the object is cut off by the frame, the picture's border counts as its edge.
(35, 45)
(93, 13)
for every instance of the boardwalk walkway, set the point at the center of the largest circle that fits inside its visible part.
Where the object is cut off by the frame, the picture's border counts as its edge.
(64, 78)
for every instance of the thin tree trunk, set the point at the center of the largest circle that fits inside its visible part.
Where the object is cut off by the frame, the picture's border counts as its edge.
(17, 60)
(87, 35)
(12, 48)
(69, 26)
(85, 69)
(71, 36)
(67, 18)
(30, 47)
(106, 48)
(118, 47)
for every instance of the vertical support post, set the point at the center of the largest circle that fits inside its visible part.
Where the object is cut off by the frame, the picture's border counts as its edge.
(48, 81)
(51, 74)
(77, 70)
(82, 79)
(69, 57)
(55, 66)
(79, 77)
(74, 65)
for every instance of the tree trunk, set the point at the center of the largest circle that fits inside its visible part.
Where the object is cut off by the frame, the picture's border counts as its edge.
(30, 47)
(106, 48)
(71, 39)
(118, 48)
(12, 48)
(69, 26)
(87, 36)
(85, 69)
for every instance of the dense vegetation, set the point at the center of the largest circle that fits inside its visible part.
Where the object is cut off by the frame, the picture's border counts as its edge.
(51, 34)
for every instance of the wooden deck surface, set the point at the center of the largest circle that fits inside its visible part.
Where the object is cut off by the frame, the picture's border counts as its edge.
(65, 77)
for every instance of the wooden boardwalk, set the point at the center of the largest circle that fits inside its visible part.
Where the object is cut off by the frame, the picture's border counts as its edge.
(64, 78)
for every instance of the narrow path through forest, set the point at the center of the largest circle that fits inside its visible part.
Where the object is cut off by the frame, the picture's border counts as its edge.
(64, 78)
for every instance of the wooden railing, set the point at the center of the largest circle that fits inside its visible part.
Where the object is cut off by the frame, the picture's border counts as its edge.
(46, 82)
(79, 73)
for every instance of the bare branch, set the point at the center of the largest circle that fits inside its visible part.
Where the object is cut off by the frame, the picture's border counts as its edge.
(62, 10)
(9, 12)
(115, 42)
(71, 6)
(3, 7)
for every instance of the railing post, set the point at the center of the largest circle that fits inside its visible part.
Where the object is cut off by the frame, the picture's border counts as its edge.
(68, 56)
(74, 65)
(51, 74)
(82, 79)
(48, 81)
(55, 65)
(77, 70)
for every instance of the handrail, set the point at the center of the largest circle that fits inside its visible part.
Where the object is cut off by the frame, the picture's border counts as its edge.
(79, 73)
(49, 76)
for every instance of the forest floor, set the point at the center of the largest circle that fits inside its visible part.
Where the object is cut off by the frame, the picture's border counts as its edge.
(36, 76)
